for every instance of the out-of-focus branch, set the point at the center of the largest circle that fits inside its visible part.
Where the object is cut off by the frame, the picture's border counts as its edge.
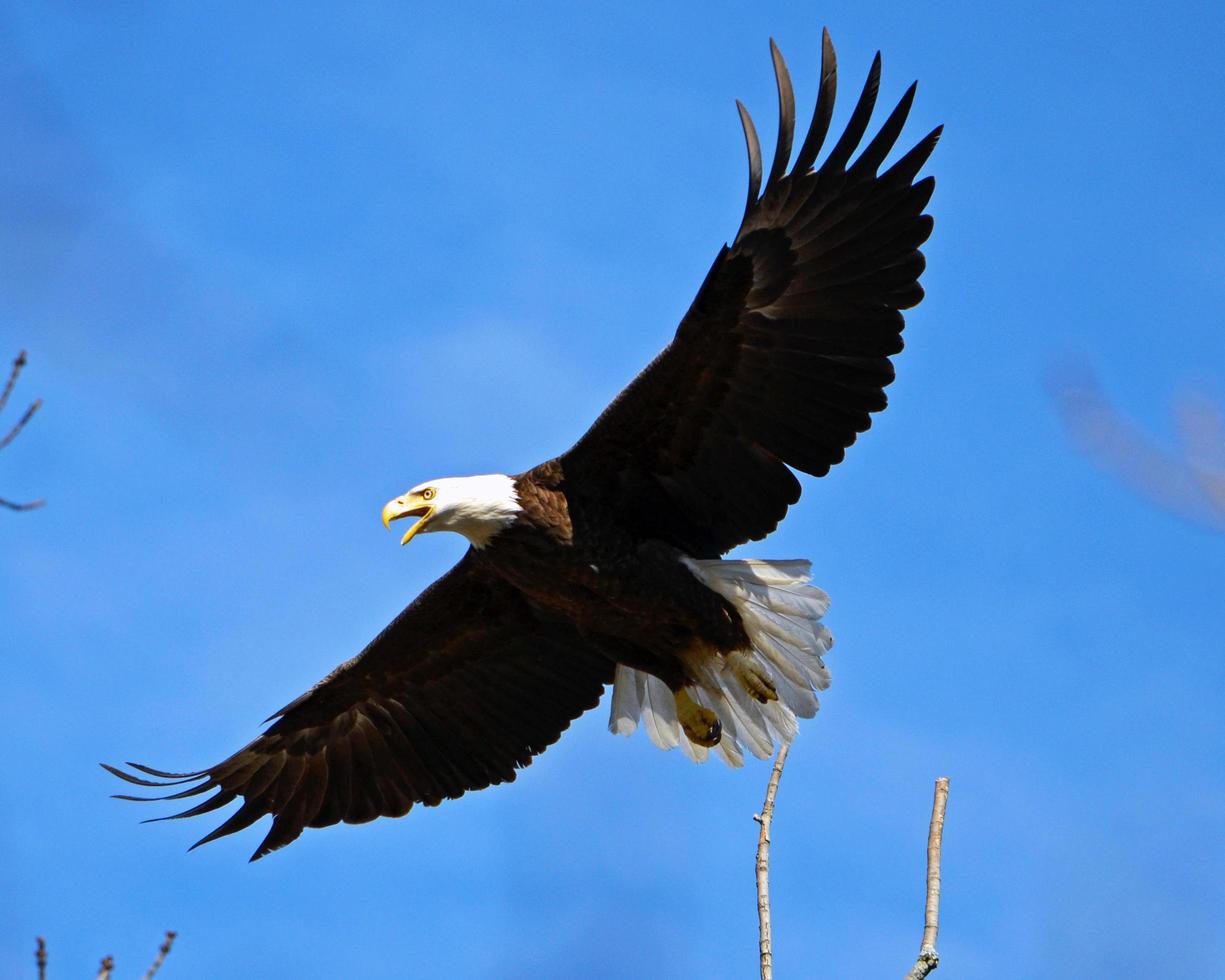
(929, 959)
(107, 966)
(1202, 429)
(21, 422)
(162, 952)
(8, 387)
(765, 818)
(31, 505)
(1188, 480)
(12, 434)
(18, 364)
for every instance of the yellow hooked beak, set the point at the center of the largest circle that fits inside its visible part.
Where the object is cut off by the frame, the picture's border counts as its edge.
(409, 505)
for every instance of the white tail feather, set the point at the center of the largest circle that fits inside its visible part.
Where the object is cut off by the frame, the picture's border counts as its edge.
(781, 614)
(626, 704)
(659, 713)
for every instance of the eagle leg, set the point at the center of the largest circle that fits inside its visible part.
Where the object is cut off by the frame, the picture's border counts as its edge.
(752, 678)
(701, 725)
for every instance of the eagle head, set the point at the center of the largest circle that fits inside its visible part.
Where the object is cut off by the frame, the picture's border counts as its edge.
(478, 507)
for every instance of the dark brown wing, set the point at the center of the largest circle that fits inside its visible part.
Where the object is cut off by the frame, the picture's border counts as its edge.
(461, 690)
(785, 351)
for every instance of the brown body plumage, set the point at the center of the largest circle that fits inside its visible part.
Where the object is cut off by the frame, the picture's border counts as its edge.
(629, 596)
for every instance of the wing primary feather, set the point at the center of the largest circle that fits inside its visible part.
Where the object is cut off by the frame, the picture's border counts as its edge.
(297, 815)
(403, 759)
(366, 800)
(875, 152)
(786, 116)
(240, 819)
(136, 780)
(390, 779)
(905, 169)
(286, 828)
(754, 150)
(858, 123)
(428, 788)
(315, 784)
(400, 726)
(340, 782)
(824, 110)
(160, 774)
(288, 820)
(214, 802)
(442, 774)
(203, 787)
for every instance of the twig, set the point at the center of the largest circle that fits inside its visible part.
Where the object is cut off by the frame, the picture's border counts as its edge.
(21, 422)
(32, 505)
(161, 954)
(929, 959)
(12, 434)
(18, 364)
(107, 966)
(763, 867)
(8, 388)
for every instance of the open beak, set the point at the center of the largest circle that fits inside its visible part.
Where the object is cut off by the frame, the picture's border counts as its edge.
(405, 507)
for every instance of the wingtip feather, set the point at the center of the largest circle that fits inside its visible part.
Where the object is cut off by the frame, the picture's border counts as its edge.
(823, 111)
(753, 147)
(786, 116)
(138, 781)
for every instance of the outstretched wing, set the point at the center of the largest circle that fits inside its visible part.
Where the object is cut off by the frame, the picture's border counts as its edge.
(784, 354)
(462, 689)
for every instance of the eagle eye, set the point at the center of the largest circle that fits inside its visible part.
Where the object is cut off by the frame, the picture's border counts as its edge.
(428, 493)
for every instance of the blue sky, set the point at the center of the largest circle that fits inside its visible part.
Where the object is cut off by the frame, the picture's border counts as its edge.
(274, 268)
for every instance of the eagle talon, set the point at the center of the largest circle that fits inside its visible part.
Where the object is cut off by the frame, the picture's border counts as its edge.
(701, 725)
(752, 677)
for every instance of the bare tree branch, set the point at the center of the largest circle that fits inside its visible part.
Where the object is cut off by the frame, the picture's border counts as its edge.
(12, 434)
(162, 952)
(763, 867)
(31, 505)
(21, 422)
(929, 959)
(1202, 430)
(8, 388)
(107, 966)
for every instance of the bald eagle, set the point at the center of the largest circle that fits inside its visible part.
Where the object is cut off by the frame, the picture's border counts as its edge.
(603, 566)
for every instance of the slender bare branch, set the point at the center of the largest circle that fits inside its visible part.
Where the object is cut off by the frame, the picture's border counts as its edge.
(107, 966)
(162, 952)
(12, 434)
(18, 364)
(929, 959)
(765, 818)
(32, 505)
(21, 422)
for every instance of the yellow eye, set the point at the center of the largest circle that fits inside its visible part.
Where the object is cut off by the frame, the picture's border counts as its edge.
(428, 494)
